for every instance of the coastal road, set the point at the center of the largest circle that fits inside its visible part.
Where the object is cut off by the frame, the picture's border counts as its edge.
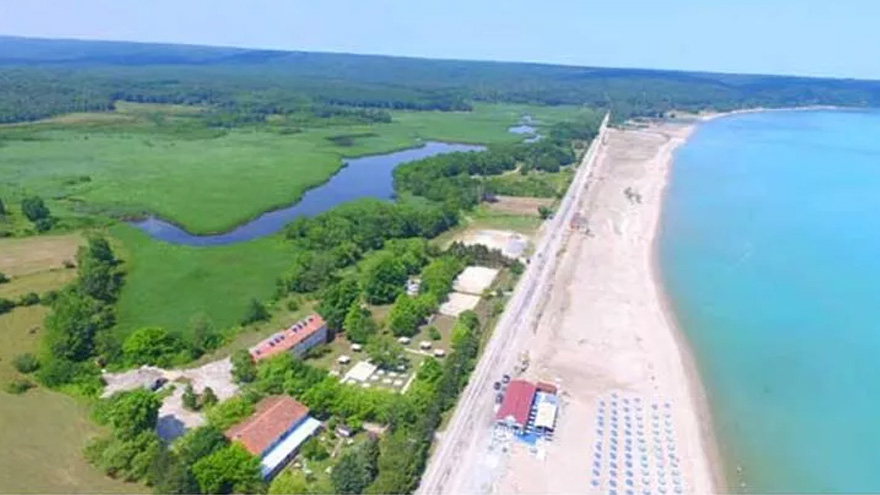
(452, 458)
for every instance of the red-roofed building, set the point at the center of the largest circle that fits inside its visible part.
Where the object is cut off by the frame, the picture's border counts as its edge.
(274, 432)
(517, 403)
(299, 338)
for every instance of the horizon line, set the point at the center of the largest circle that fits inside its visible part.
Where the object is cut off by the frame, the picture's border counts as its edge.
(439, 59)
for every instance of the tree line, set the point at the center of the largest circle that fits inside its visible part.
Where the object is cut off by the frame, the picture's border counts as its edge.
(68, 76)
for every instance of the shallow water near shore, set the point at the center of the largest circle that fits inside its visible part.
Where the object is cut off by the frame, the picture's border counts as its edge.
(770, 253)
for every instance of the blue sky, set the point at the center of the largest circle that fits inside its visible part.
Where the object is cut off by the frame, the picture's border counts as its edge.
(805, 37)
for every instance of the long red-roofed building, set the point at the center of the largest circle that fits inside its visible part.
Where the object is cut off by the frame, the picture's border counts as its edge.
(517, 404)
(299, 338)
(275, 431)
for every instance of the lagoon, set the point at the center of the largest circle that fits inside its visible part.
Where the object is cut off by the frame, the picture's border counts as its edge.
(770, 254)
(365, 177)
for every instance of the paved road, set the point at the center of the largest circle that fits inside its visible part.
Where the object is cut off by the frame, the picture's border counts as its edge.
(473, 412)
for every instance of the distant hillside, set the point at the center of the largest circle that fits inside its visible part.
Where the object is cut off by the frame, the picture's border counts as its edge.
(39, 78)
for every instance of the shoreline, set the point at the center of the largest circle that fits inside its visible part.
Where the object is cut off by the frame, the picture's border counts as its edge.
(696, 385)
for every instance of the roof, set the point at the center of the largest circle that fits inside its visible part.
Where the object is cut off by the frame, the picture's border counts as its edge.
(546, 387)
(287, 339)
(273, 417)
(281, 452)
(546, 414)
(517, 402)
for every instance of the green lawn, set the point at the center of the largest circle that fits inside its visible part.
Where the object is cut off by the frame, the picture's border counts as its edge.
(43, 434)
(166, 285)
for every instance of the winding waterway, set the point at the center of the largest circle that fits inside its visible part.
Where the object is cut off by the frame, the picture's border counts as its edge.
(365, 177)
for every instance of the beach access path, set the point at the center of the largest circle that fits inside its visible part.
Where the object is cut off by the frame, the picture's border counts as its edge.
(603, 327)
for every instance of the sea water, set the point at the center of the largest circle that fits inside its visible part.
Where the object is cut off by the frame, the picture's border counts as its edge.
(770, 253)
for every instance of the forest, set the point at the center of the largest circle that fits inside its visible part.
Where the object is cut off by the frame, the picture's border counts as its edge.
(41, 78)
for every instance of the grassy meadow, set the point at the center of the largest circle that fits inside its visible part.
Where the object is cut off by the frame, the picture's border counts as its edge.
(42, 432)
(166, 285)
(160, 159)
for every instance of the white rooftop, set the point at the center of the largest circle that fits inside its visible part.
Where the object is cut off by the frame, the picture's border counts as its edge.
(457, 303)
(474, 280)
(271, 461)
(360, 372)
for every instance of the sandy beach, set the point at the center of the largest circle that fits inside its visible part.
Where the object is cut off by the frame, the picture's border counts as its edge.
(606, 335)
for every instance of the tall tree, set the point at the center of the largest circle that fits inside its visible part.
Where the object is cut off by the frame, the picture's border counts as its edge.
(151, 345)
(385, 352)
(231, 469)
(72, 324)
(34, 208)
(384, 278)
(132, 413)
(336, 301)
(359, 324)
(243, 368)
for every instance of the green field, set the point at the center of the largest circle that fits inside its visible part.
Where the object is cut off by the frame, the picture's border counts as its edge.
(166, 285)
(43, 434)
(159, 159)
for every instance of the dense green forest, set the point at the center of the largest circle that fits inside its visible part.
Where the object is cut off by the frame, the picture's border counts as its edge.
(41, 78)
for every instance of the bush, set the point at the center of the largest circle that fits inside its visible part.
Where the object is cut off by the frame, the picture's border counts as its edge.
(18, 386)
(209, 398)
(189, 398)
(228, 413)
(3, 278)
(517, 268)
(26, 363)
(151, 345)
(255, 312)
(29, 299)
(243, 368)
(49, 298)
(44, 224)
(433, 333)
(6, 305)
(544, 212)
(34, 208)
(314, 451)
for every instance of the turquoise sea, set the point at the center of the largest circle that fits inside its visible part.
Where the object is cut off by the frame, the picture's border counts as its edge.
(770, 253)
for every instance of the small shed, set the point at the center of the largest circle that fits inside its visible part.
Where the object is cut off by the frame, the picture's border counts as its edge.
(343, 359)
(424, 345)
(357, 347)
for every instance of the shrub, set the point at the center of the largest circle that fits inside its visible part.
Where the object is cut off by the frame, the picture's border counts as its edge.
(6, 305)
(243, 368)
(34, 208)
(433, 333)
(26, 363)
(255, 312)
(230, 412)
(18, 386)
(29, 299)
(209, 398)
(517, 268)
(44, 224)
(189, 398)
(151, 345)
(3, 278)
(313, 450)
